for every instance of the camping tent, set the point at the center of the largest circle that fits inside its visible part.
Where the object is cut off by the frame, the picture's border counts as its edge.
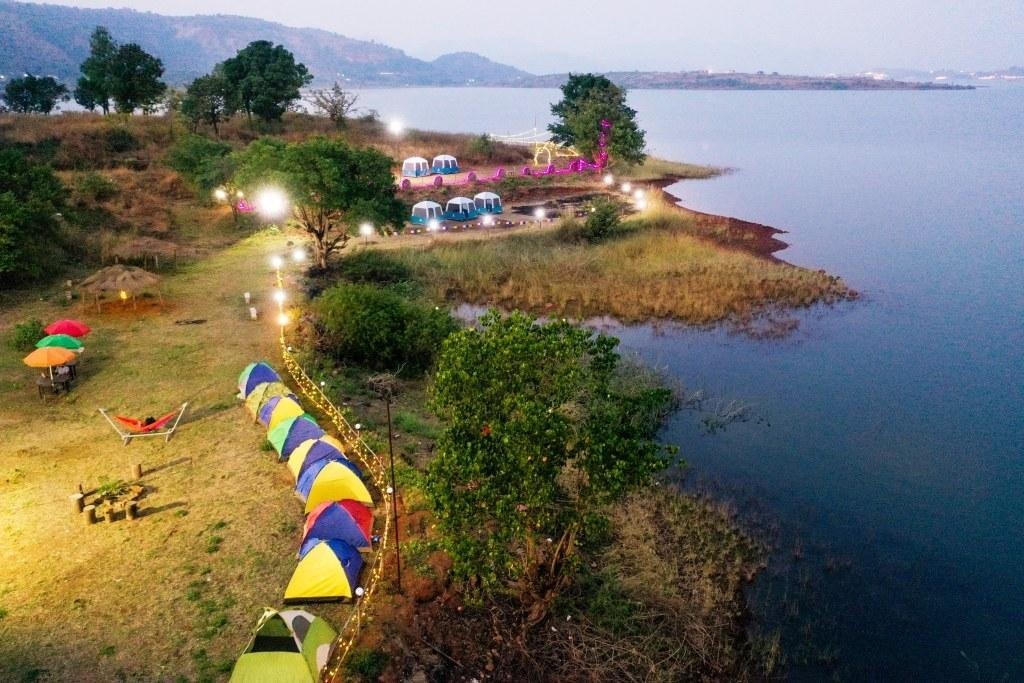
(287, 646)
(347, 520)
(291, 432)
(263, 392)
(311, 451)
(332, 479)
(254, 374)
(278, 409)
(415, 167)
(424, 212)
(460, 209)
(487, 202)
(328, 570)
(445, 163)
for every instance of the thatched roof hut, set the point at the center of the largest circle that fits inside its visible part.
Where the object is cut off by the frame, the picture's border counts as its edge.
(124, 281)
(146, 249)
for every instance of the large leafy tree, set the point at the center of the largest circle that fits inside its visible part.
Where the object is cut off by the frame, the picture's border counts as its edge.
(135, 79)
(541, 434)
(34, 94)
(331, 187)
(207, 101)
(31, 198)
(93, 89)
(264, 79)
(587, 100)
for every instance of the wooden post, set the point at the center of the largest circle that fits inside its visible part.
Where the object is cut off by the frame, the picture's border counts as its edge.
(131, 510)
(137, 471)
(77, 502)
(90, 514)
(108, 513)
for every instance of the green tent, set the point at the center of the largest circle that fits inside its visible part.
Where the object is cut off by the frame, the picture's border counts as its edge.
(288, 647)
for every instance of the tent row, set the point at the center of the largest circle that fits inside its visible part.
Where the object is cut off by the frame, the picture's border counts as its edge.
(456, 209)
(417, 167)
(339, 521)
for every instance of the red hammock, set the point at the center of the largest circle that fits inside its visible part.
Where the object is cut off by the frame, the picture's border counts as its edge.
(133, 427)
(140, 427)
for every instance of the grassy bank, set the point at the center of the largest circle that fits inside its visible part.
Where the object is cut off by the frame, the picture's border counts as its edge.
(664, 264)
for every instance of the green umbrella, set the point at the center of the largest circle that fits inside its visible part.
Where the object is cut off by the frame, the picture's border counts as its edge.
(65, 341)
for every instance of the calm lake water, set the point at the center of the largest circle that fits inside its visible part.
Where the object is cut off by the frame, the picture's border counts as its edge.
(887, 438)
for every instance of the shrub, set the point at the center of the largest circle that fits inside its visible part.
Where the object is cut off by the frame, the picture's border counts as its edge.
(367, 665)
(26, 335)
(202, 161)
(482, 147)
(380, 329)
(602, 221)
(94, 187)
(374, 267)
(119, 140)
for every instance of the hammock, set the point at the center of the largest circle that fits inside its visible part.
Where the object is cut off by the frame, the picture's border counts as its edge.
(129, 428)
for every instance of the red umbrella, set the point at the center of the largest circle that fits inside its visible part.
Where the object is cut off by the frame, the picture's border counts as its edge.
(74, 328)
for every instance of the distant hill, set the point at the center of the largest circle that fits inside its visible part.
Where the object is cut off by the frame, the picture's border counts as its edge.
(53, 40)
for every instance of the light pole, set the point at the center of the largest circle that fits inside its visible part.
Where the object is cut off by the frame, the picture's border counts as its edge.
(385, 386)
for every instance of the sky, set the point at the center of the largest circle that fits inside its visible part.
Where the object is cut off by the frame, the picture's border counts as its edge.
(546, 36)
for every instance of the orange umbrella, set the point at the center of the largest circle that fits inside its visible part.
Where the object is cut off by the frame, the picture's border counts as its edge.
(47, 357)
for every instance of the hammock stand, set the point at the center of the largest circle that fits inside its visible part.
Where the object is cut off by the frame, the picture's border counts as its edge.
(129, 428)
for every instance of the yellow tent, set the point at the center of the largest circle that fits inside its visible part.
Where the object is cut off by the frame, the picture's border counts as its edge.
(286, 407)
(331, 479)
(327, 570)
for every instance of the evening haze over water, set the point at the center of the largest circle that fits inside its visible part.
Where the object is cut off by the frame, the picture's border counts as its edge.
(794, 36)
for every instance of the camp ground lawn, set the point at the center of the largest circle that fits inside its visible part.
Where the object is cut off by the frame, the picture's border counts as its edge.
(173, 595)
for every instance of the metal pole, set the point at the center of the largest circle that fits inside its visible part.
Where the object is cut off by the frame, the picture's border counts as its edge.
(394, 495)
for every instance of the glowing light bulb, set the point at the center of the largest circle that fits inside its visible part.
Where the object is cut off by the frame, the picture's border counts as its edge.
(638, 195)
(366, 229)
(279, 296)
(488, 219)
(283, 319)
(271, 203)
(627, 187)
(609, 179)
(433, 225)
(396, 127)
(641, 204)
(539, 213)
(276, 261)
(298, 254)
(220, 194)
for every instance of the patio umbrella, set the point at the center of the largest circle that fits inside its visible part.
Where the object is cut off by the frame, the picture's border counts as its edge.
(64, 341)
(47, 357)
(74, 328)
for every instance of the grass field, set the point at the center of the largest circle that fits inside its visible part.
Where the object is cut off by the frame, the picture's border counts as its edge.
(174, 594)
(663, 265)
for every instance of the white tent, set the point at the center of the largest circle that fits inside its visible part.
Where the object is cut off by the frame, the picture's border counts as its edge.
(424, 212)
(415, 167)
(445, 163)
(487, 202)
(460, 205)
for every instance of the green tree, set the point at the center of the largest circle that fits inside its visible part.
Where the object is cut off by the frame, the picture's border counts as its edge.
(205, 163)
(206, 101)
(331, 186)
(34, 94)
(541, 434)
(264, 80)
(93, 89)
(31, 199)
(587, 100)
(134, 79)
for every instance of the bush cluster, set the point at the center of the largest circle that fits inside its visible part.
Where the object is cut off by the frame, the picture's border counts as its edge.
(26, 335)
(380, 328)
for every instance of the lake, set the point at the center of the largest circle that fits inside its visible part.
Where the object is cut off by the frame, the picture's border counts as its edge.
(886, 438)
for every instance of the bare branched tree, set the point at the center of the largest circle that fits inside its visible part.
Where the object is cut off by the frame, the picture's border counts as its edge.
(335, 103)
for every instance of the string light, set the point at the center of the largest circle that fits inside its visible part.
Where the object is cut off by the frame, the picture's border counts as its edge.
(276, 261)
(279, 296)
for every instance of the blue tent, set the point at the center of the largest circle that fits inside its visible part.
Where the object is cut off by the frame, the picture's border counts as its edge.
(460, 209)
(446, 164)
(424, 212)
(332, 479)
(288, 434)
